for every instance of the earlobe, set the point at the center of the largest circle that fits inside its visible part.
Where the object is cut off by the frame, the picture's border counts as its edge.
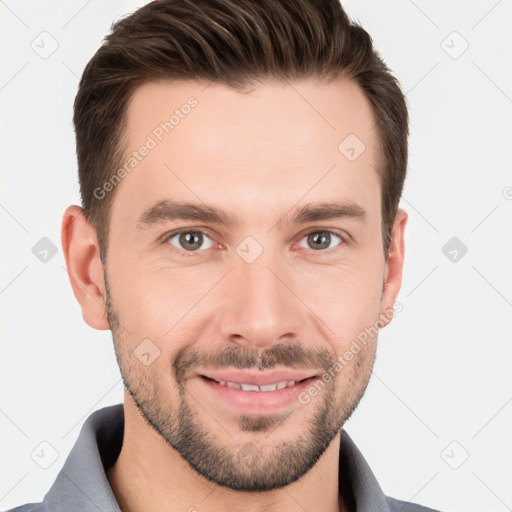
(394, 266)
(84, 266)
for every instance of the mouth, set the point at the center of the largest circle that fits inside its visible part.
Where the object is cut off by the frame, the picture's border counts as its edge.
(265, 388)
(255, 394)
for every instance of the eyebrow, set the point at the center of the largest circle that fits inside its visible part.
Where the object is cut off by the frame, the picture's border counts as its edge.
(168, 210)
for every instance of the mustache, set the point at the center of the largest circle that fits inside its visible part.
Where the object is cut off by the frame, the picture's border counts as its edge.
(294, 356)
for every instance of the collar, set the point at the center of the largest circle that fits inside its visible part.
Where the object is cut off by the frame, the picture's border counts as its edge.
(82, 483)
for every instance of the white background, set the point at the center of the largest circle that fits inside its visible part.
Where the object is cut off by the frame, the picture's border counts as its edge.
(442, 385)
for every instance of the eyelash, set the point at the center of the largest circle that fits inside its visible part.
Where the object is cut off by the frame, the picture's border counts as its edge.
(185, 253)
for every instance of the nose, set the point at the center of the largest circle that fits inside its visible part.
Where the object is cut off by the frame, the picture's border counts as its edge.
(259, 308)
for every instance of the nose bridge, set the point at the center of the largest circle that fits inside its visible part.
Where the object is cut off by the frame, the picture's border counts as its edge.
(259, 309)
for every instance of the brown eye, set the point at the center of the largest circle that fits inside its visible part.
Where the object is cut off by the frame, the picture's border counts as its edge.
(190, 240)
(321, 240)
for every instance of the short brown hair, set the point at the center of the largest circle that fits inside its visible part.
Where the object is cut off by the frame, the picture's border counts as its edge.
(233, 42)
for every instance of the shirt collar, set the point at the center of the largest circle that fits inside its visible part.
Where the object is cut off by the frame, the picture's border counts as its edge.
(82, 483)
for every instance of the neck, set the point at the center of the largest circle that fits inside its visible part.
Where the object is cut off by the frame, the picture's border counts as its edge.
(150, 475)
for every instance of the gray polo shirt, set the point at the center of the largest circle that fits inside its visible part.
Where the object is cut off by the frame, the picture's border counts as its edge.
(82, 485)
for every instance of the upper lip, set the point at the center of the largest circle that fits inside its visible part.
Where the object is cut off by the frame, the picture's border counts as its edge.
(258, 378)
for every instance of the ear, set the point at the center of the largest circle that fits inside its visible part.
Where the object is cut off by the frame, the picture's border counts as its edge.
(394, 266)
(85, 270)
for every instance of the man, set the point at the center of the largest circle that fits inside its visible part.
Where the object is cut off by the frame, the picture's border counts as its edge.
(241, 165)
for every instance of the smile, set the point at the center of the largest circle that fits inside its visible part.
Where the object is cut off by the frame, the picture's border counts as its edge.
(253, 387)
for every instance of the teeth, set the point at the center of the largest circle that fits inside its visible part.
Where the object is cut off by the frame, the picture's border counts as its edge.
(271, 387)
(250, 387)
(254, 387)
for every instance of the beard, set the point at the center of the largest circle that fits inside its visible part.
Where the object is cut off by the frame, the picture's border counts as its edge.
(253, 466)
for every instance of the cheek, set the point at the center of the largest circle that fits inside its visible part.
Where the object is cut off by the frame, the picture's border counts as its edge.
(159, 303)
(146, 305)
(347, 302)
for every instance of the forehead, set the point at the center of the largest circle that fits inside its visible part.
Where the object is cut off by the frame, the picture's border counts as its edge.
(278, 143)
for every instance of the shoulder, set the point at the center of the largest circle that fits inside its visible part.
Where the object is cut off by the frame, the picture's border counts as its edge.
(404, 506)
(28, 507)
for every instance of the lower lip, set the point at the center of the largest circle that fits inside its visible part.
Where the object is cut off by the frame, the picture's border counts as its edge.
(256, 402)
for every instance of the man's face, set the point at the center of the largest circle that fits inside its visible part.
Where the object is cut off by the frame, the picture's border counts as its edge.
(261, 294)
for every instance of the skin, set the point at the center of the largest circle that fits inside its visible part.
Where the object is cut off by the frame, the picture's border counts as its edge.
(258, 156)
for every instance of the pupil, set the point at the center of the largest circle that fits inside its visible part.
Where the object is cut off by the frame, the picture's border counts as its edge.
(191, 240)
(320, 240)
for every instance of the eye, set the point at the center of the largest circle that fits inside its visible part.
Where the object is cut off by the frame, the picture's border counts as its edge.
(320, 240)
(190, 241)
